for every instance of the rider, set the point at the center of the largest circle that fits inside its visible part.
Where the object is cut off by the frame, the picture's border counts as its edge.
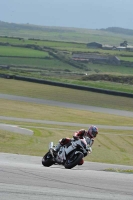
(91, 133)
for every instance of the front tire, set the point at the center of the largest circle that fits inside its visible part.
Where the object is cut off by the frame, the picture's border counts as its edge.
(73, 160)
(47, 160)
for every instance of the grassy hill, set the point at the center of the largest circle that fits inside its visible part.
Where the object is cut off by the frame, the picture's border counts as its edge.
(63, 33)
(119, 30)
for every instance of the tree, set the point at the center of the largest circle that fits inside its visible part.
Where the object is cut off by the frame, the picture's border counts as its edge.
(124, 44)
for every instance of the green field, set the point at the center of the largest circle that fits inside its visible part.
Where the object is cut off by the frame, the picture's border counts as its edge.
(62, 45)
(130, 59)
(54, 44)
(35, 63)
(51, 60)
(22, 52)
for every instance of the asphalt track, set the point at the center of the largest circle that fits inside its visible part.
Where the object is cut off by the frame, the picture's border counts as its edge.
(23, 177)
(15, 129)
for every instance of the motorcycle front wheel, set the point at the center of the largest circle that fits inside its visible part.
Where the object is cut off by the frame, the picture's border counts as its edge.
(47, 160)
(73, 160)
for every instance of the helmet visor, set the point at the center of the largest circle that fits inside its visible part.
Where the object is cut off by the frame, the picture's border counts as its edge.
(94, 133)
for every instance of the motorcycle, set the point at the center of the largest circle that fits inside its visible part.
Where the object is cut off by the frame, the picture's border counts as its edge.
(69, 155)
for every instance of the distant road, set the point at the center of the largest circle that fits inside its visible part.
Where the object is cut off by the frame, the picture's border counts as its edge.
(68, 105)
(63, 123)
(61, 104)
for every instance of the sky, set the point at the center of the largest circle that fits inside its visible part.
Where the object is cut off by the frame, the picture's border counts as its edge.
(90, 14)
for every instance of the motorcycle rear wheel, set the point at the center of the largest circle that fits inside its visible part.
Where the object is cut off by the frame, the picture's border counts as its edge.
(47, 160)
(73, 160)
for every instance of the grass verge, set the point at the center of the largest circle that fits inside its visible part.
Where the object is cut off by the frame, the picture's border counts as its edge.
(107, 148)
(43, 91)
(130, 171)
(54, 113)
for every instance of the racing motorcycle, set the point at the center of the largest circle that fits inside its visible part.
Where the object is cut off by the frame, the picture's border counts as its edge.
(69, 155)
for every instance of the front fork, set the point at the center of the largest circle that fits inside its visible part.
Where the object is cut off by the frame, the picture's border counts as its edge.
(51, 144)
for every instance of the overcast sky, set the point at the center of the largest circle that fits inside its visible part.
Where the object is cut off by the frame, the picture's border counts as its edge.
(90, 14)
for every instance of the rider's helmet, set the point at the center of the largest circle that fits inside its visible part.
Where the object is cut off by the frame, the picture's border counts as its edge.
(92, 131)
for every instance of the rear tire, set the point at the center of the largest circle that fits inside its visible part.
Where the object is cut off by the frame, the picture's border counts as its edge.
(72, 161)
(47, 160)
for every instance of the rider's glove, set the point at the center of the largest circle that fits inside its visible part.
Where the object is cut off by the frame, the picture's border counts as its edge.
(89, 149)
